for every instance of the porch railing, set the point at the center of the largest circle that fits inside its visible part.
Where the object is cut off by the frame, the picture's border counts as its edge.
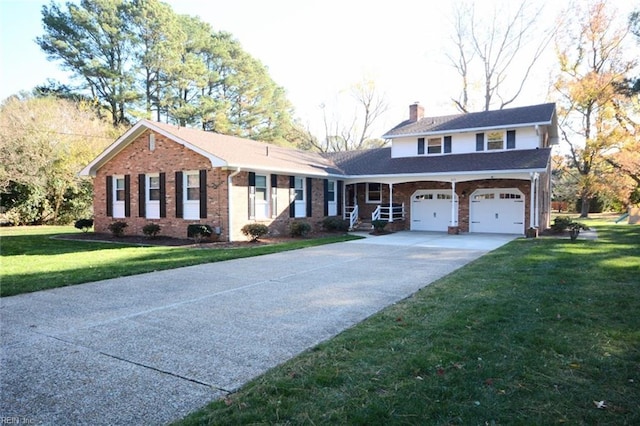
(351, 213)
(388, 212)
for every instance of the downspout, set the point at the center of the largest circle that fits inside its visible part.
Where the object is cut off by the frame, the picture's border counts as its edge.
(230, 202)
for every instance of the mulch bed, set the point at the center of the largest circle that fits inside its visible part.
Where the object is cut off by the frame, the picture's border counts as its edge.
(179, 242)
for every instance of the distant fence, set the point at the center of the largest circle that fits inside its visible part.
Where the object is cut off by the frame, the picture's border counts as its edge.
(559, 206)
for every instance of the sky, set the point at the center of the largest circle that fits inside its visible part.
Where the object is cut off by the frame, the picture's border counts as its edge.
(316, 50)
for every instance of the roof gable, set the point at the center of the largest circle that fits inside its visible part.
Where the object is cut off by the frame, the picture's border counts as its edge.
(542, 114)
(224, 151)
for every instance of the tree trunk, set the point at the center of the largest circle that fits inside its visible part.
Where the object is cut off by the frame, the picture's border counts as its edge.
(584, 209)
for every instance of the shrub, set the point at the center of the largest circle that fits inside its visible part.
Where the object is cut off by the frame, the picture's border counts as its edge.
(335, 224)
(117, 228)
(299, 229)
(151, 230)
(199, 231)
(84, 224)
(255, 230)
(562, 223)
(378, 225)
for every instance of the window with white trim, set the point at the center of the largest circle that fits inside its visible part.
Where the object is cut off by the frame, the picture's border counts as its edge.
(331, 191)
(261, 198)
(495, 140)
(153, 187)
(119, 188)
(192, 180)
(374, 192)
(434, 146)
(152, 196)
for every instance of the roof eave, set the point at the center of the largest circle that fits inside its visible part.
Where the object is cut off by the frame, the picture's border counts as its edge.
(466, 130)
(452, 175)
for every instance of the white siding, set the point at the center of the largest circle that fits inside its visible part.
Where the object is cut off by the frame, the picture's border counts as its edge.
(462, 143)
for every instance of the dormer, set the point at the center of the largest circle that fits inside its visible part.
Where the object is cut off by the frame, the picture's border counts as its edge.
(520, 128)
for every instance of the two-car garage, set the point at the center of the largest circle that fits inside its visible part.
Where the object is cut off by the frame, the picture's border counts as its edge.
(491, 210)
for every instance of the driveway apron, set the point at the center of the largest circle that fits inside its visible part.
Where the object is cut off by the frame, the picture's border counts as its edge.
(154, 347)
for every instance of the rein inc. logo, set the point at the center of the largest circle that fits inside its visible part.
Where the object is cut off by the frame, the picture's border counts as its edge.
(17, 420)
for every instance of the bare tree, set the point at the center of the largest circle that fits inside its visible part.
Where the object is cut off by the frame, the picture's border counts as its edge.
(355, 132)
(496, 51)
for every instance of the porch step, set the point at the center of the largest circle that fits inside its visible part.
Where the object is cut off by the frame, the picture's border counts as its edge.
(363, 225)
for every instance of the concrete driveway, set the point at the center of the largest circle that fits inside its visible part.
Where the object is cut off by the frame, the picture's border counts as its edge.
(151, 348)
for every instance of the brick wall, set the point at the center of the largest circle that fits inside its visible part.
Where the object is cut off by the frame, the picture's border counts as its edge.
(402, 194)
(167, 157)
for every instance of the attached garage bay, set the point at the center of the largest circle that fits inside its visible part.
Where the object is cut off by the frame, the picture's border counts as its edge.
(497, 210)
(431, 210)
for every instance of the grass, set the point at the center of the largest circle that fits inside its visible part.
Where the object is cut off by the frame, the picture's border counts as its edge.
(31, 260)
(540, 331)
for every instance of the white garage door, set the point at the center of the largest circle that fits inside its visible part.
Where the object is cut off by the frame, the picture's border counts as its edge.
(431, 210)
(497, 210)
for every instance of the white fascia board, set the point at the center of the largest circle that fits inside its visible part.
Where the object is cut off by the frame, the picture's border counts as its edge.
(284, 171)
(469, 130)
(447, 176)
(112, 150)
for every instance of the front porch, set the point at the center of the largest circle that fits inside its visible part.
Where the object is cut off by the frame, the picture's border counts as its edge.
(447, 206)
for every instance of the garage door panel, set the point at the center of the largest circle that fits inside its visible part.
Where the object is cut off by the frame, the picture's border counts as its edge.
(497, 210)
(431, 210)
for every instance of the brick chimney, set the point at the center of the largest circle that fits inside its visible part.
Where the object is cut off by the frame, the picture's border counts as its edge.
(416, 111)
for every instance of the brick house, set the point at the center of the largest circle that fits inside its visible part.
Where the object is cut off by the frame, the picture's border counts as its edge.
(478, 172)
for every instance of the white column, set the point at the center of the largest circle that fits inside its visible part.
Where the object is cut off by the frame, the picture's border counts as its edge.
(537, 216)
(532, 223)
(454, 217)
(390, 202)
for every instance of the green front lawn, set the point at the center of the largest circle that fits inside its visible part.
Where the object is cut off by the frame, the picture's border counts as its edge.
(31, 260)
(538, 332)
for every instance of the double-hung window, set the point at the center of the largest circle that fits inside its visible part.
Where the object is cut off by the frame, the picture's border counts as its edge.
(153, 196)
(374, 192)
(434, 146)
(191, 195)
(495, 140)
(261, 197)
(119, 196)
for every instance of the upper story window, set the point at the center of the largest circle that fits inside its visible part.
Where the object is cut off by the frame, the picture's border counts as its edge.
(434, 146)
(495, 140)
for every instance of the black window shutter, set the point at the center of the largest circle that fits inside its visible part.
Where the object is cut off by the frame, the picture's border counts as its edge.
(292, 197)
(109, 196)
(447, 144)
(274, 196)
(511, 139)
(163, 195)
(179, 199)
(203, 194)
(479, 141)
(252, 195)
(309, 186)
(326, 197)
(340, 195)
(127, 195)
(420, 146)
(142, 201)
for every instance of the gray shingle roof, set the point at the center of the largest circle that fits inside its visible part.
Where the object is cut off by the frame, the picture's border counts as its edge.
(511, 117)
(379, 162)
